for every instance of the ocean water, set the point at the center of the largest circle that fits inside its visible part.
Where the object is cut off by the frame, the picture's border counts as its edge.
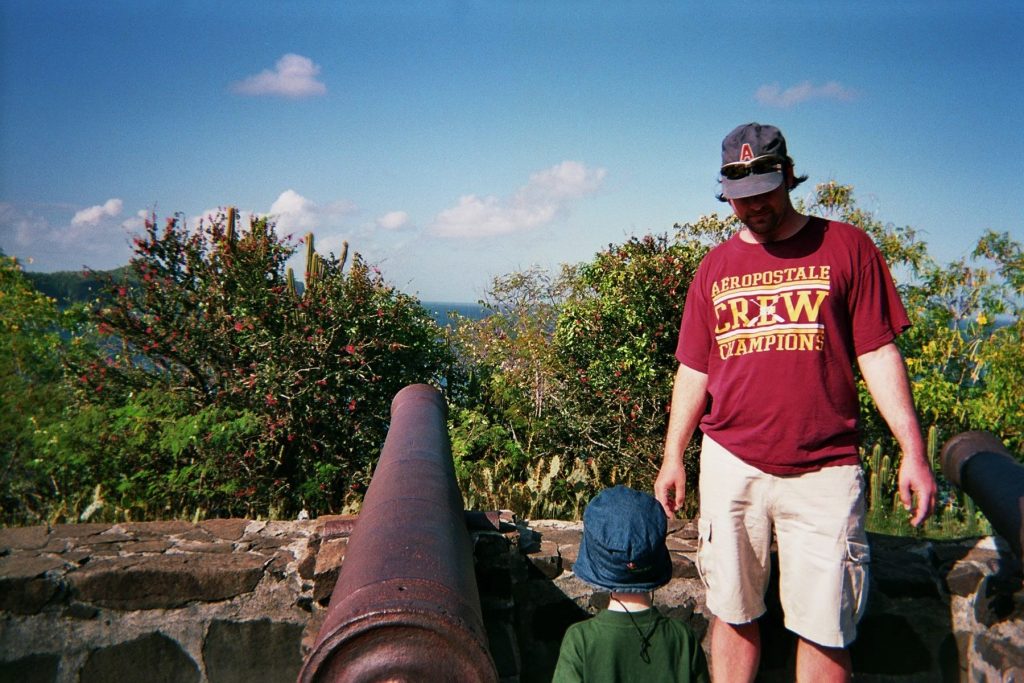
(442, 310)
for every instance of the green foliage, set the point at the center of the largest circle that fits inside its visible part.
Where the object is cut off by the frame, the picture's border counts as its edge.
(218, 392)
(211, 386)
(592, 387)
(574, 372)
(35, 338)
(615, 343)
(955, 514)
(964, 351)
(70, 287)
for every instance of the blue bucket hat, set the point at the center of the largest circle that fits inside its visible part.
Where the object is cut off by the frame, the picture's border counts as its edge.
(623, 548)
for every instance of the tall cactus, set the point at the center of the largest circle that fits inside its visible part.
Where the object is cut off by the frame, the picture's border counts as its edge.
(312, 260)
(314, 265)
(933, 452)
(291, 283)
(933, 445)
(876, 478)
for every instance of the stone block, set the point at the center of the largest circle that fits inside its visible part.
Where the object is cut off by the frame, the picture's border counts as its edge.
(994, 600)
(328, 566)
(23, 538)
(25, 583)
(331, 555)
(75, 531)
(152, 658)
(270, 542)
(151, 545)
(547, 560)
(196, 534)
(998, 654)
(683, 567)
(245, 651)
(889, 645)
(150, 530)
(903, 574)
(38, 668)
(277, 564)
(307, 563)
(225, 529)
(217, 547)
(677, 543)
(166, 581)
(336, 526)
(963, 578)
(504, 648)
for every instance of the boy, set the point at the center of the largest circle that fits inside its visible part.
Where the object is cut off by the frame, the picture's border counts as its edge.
(623, 551)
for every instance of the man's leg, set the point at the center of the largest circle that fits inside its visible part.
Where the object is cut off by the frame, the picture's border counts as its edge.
(735, 651)
(816, 663)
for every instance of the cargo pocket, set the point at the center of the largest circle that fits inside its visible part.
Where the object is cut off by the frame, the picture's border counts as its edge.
(855, 590)
(703, 550)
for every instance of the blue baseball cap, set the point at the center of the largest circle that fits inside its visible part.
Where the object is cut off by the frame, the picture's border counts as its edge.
(623, 548)
(753, 156)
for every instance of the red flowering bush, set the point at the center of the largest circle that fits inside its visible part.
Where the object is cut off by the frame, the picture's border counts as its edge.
(222, 391)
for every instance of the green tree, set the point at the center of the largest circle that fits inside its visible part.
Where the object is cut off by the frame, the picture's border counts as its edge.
(963, 351)
(1000, 356)
(221, 391)
(35, 338)
(616, 340)
(574, 372)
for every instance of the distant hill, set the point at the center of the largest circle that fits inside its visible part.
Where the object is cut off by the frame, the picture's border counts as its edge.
(71, 286)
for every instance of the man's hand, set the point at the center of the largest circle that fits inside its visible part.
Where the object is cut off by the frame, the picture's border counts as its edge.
(917, 488)
(689, 400)
(670, 486)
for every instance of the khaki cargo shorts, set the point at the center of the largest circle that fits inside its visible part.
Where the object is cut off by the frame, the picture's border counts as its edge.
(818, 520)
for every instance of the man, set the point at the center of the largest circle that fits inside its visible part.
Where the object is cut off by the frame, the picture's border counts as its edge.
(773, 320)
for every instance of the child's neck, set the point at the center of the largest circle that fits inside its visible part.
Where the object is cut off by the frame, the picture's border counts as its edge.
(629, 602)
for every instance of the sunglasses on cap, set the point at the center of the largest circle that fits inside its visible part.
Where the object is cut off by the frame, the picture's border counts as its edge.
(757, 166)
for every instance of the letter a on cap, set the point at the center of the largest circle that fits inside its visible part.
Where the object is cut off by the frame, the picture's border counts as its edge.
(746, 154)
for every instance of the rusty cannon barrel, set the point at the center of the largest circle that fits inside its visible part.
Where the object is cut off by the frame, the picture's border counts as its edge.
(406, 605)
(981, 465)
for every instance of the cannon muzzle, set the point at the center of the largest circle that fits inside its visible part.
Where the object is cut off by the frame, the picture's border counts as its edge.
(406, 605)
(981, 465)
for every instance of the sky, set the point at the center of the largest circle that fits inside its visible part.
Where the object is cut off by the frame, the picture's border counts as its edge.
(450, 143)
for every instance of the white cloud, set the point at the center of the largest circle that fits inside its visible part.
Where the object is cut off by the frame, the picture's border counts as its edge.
(137, 222)
(94, 214)
(545, 196)
(393, 220)
(293, 76)
(53, 238)
(293, 212)
(773, 96)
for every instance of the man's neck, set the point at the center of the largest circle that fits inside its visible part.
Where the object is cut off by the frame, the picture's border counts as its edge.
(793, 223)
(629, 602)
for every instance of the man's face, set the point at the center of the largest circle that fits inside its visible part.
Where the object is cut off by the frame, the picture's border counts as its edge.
(764, 214)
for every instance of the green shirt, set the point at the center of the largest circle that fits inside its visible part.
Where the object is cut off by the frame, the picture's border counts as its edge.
(609, 647)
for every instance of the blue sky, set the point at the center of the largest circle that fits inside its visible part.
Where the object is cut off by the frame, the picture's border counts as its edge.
(451, 142)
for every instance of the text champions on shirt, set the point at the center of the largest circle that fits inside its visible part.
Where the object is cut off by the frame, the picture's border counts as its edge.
(771, 310)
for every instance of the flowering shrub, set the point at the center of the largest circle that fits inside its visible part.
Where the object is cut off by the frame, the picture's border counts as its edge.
(222, 392)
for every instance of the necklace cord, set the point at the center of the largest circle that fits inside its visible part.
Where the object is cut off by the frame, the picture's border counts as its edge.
(645, 640)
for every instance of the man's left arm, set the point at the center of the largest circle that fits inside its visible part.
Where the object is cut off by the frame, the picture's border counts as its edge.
(886, 377)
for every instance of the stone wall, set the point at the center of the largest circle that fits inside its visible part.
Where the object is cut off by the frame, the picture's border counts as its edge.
(241, 600)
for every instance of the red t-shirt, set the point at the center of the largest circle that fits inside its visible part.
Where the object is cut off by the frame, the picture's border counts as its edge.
(777, 328)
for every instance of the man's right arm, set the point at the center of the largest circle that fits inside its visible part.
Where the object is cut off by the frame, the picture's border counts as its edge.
(689, 400)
